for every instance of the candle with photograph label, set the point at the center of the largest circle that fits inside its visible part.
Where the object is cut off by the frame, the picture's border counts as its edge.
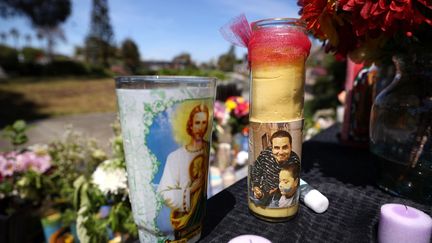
(278, 49)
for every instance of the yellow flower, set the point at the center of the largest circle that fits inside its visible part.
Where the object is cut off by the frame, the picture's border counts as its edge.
(230, 105)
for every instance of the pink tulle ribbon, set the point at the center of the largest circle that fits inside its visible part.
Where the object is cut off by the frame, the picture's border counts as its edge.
(237, 31)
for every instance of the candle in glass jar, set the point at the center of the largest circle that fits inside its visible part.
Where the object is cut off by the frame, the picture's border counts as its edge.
(400, 223)
(278, 49)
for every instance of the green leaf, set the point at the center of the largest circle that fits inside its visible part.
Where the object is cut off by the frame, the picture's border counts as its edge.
(20, 139)
(78, 183)
(81, 229)
(19, 126)
(38, 181)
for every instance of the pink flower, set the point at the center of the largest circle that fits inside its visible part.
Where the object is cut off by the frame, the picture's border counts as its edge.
(22, 162)
(7, 167)
(242, 109)
(220, 112)
(31, 161)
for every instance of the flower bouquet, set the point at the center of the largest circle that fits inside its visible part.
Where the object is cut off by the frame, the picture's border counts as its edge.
(232, 116)
(400, 118)
(369, 30)
(231, 132)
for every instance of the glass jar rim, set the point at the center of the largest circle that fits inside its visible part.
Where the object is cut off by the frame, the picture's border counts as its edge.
(163, 79)
(158, 81)
(278, 22)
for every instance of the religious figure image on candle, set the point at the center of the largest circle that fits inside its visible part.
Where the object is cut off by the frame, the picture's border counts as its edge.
(275, 173)
(182, 184)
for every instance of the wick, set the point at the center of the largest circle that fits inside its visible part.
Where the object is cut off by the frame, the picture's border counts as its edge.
(406, 208)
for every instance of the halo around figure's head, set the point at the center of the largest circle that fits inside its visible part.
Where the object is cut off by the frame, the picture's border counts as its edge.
(181, 115)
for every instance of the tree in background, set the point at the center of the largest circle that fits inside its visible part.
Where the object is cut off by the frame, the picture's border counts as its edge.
(8, 58)
(226, 61)
(3, 37)
(99, 40)
(209, 65)
(15, 34)
(42, 13)
(51, 34)
(183, 61)
(28, 38)
(79, 53)
(40, 38)
(130, 55)
(45, 15)
(31, 54)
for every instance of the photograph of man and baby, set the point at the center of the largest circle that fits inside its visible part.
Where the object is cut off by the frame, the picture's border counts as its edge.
(274, 176)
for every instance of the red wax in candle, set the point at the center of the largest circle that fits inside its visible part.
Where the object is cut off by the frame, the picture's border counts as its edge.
(278, 45)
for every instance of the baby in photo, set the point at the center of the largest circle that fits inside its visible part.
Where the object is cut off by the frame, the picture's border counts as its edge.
(288, 183)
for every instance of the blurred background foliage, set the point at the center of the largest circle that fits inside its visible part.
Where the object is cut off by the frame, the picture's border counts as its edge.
(37, 82)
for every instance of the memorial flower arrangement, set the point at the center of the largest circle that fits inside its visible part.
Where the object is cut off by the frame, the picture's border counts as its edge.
(73, 156)
(369, 30)
(42, 175)
(234, 112)
(231, 126)
(70, 177)
(22, 171)
(102, 200)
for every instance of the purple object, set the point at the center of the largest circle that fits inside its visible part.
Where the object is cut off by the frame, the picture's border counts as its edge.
(249, 239)
(400, 223)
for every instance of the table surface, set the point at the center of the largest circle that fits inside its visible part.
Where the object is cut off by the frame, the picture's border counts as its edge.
(344, 174)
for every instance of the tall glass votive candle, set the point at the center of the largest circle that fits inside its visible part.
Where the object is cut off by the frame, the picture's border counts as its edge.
(278, 49)
(166, 125)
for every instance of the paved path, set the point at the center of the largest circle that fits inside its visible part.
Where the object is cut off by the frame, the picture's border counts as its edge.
(95, 125)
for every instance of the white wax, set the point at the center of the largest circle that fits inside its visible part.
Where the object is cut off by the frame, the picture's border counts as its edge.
(249, 239)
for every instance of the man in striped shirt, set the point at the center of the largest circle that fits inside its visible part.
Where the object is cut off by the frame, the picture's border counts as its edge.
(265, 171)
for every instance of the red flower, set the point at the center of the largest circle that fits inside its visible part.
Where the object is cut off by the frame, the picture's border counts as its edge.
(363, 23)
(312, 12)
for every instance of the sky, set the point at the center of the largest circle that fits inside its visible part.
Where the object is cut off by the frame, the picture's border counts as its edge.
(162, 29)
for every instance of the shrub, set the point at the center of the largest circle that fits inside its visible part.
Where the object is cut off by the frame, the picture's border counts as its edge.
(69, 67)
(97, 71)
(9, 58)
(193, 72)
(59, 68)
(31, 69)
(31, 54)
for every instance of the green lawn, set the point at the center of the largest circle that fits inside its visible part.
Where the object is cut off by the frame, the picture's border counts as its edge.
(37, 98)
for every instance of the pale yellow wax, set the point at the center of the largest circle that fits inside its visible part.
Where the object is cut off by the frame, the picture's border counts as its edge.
(277, 92)
(275, 212)
(277, 95)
